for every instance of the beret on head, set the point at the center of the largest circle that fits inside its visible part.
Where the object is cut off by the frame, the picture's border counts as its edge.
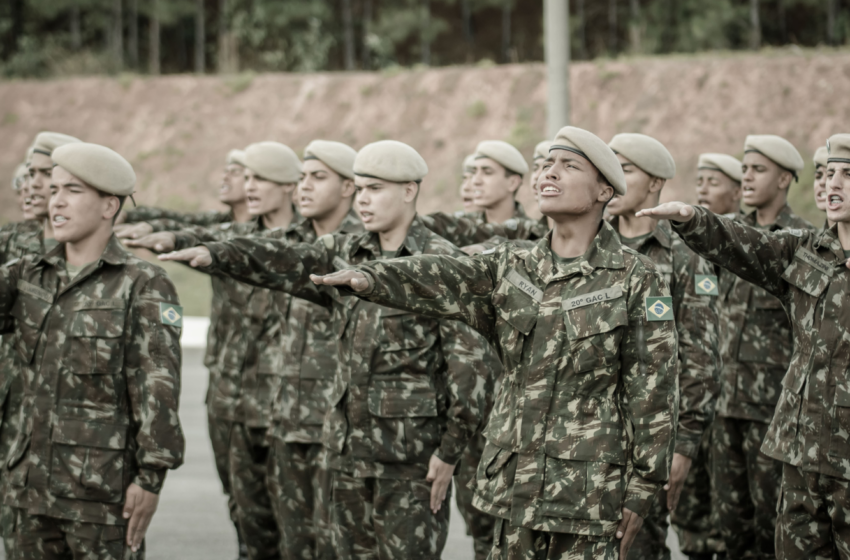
(98, 166)
(391, 161)
(541, 150)
(728, 165)
(237, 157)
(273, 161)
(469, 164)
(336, 155)
(838, 146)
(821, 157)
(592, 148)
(46, 142)
(777, 149)
(646, 152)
(504, 154)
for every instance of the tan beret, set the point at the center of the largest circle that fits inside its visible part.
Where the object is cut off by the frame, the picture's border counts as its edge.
(46, 142)
(98, 166)
(237, 157)
(21, 171)
(391, 161)
(839, 148)
(504, 154)
(777, 149)
(273, 161)
(728, 165)
(646, 152)
(469, 164)
(591, 147)
(821, 157)
(336, 155)
(541, 150)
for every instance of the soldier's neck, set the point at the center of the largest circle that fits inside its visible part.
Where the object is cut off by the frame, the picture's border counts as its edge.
(630, 226)
(393, 237)
(572, 237)
(767, 214)
(330, 223)
(47, 228)
(501, 212)
(279, 217)
(240, 211)
(88, 249)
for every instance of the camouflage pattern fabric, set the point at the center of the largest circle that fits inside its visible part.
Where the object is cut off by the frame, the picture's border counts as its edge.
(521, 543)
(747, 488)
(469, 228)
(101, 377)
(479, 525)
(162, 219)
(386, 518)
(249, 458)
(219, 431)
(696, 519)
(299, 482)
(584, 420)
(47, 538)
(811, 427)
(693, 286)
(814, 516)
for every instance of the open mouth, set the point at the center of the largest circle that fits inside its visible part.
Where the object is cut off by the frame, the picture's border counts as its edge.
(366, 217)
(59, 221)
(835, 201)
(548, 189)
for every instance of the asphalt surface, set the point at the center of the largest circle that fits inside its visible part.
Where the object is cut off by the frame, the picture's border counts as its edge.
(192, 520)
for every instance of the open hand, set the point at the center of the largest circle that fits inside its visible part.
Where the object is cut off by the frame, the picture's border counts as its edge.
(355, 280)
(196, 256)
(627, 530)
(439, 475)
(674, 211)
(678, 474)
(160, 242)
(132, 231)
(139, 508)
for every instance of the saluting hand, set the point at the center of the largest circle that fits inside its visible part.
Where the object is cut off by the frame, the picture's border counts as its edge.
(439, 475)
(139, 508)
(674, 211)
(473, 249)
(132, 231)
(196, 256)
(161, 242)
(627, 530)
(355, 280)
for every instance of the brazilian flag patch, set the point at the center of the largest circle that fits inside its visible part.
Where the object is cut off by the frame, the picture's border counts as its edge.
(171, 314)
(659, 308)
(706, 285)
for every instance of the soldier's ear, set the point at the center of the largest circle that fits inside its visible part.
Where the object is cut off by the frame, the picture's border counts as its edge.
(348, 188)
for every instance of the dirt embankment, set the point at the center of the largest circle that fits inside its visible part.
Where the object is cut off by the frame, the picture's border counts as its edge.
(176, 130)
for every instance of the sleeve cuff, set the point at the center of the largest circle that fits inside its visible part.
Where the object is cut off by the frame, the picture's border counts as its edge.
(183, 240)
(687, 446)
(692, 224)
(150, 479)
(640, 495)
(451, 449)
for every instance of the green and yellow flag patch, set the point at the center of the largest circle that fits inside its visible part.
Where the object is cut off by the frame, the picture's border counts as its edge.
(706, 285)
(170, 314)
(659, 308)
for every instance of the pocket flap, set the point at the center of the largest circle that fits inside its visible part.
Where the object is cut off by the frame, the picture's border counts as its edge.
(89, 434)
(516, 307)
(402, 398)
(604, 315)
(100, 323)
(29, 309)
(801, 273)
(842, 394)
(589, 429)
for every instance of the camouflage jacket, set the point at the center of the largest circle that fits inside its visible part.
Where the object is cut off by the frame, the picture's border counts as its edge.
(805, 271)
(471, 228)
(583, 423)
(101, 377)
(755, 340)
(406, 386)
(171, 220)
(693, 286)
(20, 239)
(245, 335)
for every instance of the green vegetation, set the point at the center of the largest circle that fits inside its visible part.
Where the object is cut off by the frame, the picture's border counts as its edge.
(477, 109)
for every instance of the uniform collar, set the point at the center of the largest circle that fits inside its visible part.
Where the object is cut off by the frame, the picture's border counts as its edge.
(785, 219)
(663, 232)
(416, 240)
(828, 239)
(114, 253)
(605, 251)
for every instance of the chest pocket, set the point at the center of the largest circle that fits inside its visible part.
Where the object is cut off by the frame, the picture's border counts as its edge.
(766, 336)
(95, 338)
(403, 330)
(30, 310)
(594, 333)
(806, 277)
(517, 315)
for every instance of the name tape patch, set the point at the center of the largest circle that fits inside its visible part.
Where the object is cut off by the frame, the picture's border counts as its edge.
(170, 314)
(706, 285)
(524, 285)
(813, 260)
(593, 297)
(659, 308)
(35, 291)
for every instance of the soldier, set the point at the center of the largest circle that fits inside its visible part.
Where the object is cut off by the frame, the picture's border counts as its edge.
(580, 439)
(647, 166)
(409, 392)
(466, 193)
(809, 432)
(756, 350)
(143, 220)
(719, 179)
(97, 331)
(819, 187)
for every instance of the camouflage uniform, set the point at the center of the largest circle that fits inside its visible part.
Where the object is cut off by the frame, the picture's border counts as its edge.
(101, 376)
(756, 348)
(583, 422)
(406, 388)
(172, 220)
(810, 432)
(693, 286)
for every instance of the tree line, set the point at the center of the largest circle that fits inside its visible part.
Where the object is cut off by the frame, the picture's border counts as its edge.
(57, 37)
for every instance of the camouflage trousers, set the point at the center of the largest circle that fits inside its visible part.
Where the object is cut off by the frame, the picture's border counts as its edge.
(747, 483)
(813, 516)
(385, 519)
(519, 543)
(299, 483)
(220, 440)
(8, 433)
(696, 519)
(479, 525)
(39, 537)
(249, 454)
